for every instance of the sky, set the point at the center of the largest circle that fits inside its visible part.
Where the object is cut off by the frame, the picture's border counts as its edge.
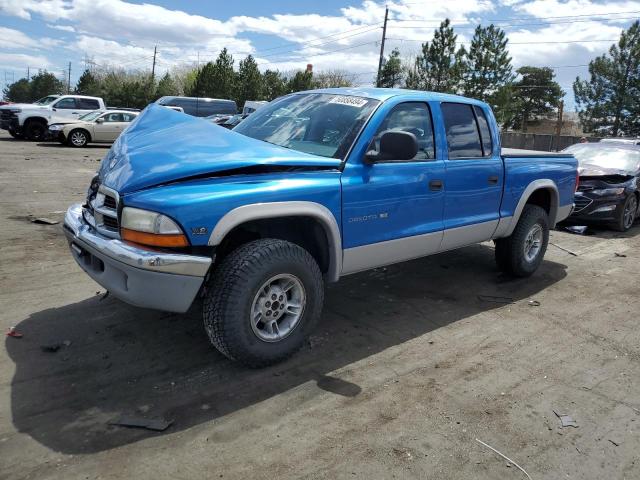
(287, 35)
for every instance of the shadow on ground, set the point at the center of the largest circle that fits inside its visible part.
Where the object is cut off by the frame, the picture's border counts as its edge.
(124, 360)
(56, 144)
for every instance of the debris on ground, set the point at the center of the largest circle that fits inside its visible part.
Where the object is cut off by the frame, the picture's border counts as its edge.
(12, 332)
(621, 255)
(580, 230)
(615, 443)
(54, 347)
(564, 249)
(44, 221)
(506, 458)
(156, 424)
(566, 420)
(534, 303)
(494, 299)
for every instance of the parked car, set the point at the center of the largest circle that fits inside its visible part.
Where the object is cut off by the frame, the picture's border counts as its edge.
(231, 122)
(314, 186)
(200, 107)
(94, 127)
(173, 107)
(628, 141)
(608, 188)
(31, 120)
(251, 106)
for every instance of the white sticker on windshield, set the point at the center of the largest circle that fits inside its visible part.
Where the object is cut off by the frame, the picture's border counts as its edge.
(351, 101)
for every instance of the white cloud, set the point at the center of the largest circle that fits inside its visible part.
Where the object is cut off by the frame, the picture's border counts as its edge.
(15, 39)
(21, 60)
(556, 8)
(63, 28)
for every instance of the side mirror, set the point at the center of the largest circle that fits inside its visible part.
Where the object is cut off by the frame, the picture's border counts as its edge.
(394, 145)
(100, 120)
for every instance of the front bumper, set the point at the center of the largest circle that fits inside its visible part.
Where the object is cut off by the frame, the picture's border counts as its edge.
(593, 208)
(145, 278)
(10, 124)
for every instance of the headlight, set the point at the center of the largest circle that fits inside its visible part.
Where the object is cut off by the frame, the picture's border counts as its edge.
(151, 228)
(55, 128)
(604, 192)
(15, 110)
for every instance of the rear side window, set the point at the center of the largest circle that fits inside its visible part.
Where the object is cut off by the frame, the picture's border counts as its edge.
(463, 137)
(87, 104)
(485, 133)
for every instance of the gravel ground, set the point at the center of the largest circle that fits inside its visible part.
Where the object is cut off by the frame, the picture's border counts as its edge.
(410, 365)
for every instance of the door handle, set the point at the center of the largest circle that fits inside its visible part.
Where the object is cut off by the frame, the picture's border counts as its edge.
(493, 179)
(435, 185)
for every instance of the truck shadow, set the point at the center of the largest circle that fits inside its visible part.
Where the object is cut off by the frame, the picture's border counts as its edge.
(115, 359)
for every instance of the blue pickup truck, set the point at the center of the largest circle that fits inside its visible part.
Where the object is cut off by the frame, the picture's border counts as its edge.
(311, 187)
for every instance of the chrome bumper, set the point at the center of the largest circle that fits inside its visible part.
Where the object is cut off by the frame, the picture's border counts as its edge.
(146, 278)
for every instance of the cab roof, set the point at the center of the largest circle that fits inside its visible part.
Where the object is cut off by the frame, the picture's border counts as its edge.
(383, 94)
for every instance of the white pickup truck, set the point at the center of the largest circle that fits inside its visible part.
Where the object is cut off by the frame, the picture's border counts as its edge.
(31, 120)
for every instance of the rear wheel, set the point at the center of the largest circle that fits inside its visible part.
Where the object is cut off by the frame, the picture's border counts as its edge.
(521, 253)
(627, 213)
(78, 138)
(263, 301)
(35, 130)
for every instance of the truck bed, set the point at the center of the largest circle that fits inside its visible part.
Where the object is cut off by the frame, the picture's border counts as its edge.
(520, 152)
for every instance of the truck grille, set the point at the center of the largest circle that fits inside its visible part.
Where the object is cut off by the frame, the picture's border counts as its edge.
(7, 115)
(101, 210)
(581, 203)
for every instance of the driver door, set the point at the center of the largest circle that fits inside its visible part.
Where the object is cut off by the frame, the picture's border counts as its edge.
(393, 209)
(65, 110)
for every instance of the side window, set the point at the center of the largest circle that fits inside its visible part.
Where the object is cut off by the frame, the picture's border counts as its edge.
(412, 117)
(113, 117)
(87, 104)
(485, 133)
(66, 104)
(127, 117)
(463, 137)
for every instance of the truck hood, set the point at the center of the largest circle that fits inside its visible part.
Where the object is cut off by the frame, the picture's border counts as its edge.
(162, 146)
(23, 106)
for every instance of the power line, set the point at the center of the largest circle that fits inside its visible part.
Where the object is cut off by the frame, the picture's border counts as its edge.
(516, 18)
(461, 26)
(513, 43)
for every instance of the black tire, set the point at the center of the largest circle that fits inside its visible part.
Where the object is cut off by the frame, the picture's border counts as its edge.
(626, 214)
(78, 138)
(35, 130)
(15, 134)
(234, 288)
(510, 252)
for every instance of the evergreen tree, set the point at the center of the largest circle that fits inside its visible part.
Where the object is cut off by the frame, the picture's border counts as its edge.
(223, 84)
(88, 84)
(18, 92)
(439, 67)
(610, 100)
(166, 86)
(248, 82)
(275, 85)
(204, 83)
(302, 80)
(391, 72)
(43, 84)
(488, 64)
(536, 94)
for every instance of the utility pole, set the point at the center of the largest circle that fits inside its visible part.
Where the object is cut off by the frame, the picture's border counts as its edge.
(153, 68)
(28, 76)
(384, 34)
(559, 124)
(69, 79)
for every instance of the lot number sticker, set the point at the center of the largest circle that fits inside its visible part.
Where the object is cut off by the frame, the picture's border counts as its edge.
(351, 101)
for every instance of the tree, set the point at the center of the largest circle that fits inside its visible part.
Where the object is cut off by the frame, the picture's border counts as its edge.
(248, 82)
(488, 65)
(166, 86)
(391, 73)
(302, 80)
(610, 100)
(274, 84)
(18, 92)
(204, 83)
(223, 76)
(43, 84)
(439, 67)
(88, 84)
(333, 78)
(535, 94)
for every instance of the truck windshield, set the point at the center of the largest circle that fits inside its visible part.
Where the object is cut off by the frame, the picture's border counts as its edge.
(88, 117)
(46, 100)
(316, 123)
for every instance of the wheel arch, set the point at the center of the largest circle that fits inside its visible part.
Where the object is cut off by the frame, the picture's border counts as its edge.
(315, 212)
(29, 120)
(541, 192)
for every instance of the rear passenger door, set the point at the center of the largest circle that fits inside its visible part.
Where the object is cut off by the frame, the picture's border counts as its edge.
(474, 176)
(111, 126)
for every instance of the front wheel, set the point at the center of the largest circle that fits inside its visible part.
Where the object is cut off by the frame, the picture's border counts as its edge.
(262, 302)
(15, 134)
(627, 213)
(521, 253)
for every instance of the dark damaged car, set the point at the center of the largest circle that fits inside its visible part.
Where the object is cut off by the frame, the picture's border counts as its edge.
(608, 189)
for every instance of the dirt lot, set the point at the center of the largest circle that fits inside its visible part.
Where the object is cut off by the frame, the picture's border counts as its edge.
(410, 365)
